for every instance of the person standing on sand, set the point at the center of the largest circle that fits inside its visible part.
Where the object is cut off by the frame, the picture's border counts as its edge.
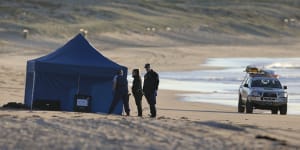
(150, 87)
(120, 89)
(137, 90)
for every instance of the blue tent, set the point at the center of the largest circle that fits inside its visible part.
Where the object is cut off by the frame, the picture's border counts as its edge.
(74, 70)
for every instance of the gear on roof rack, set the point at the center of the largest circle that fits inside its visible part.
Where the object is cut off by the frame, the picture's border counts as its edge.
(255, 71)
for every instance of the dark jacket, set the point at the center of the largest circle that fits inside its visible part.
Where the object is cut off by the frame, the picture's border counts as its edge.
(122, 85)
(151, 81)
(137, 87)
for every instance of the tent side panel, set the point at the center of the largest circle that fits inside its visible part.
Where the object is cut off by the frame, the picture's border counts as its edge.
(56, 87)
(102, 98)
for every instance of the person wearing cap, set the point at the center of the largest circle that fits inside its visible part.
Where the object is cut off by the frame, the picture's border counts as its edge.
(150, 87)
(120, 90)
(137, 90)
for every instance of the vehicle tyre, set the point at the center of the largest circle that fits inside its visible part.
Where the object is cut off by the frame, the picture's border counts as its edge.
(274, 110)
(241, 109)
(283, 109)
(249, 107)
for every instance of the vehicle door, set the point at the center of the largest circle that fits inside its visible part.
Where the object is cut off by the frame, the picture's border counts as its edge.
(245, 89)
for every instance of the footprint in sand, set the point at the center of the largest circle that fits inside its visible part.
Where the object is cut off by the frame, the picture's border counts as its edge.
(36, 116)
(161, 117)
(59, 117)
(184, 118)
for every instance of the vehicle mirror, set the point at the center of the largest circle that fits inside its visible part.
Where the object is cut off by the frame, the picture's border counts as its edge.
(285, 87)
(246, 85)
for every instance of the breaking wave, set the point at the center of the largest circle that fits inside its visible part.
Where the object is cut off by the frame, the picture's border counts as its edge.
(284, 65)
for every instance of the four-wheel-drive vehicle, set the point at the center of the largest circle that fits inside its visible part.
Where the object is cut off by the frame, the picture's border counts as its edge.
(261, 89)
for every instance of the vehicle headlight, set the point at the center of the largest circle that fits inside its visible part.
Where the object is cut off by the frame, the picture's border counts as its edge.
(282, 94)
(255, 93)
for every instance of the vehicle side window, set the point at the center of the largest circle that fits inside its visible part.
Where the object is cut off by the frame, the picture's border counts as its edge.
(248, 82)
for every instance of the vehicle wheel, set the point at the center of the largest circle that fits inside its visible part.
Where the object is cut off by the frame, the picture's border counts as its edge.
(274, 110)
(249, 107)
(283, 109)
(241, 109)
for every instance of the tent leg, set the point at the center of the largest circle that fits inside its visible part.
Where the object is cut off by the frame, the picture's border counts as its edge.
(33, 86)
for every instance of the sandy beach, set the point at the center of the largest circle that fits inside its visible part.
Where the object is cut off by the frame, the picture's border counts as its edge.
(194, 37)
(179, 124)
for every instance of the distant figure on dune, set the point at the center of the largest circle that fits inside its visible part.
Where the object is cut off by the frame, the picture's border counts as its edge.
(151, 82)
(137, 90)
(120, 89)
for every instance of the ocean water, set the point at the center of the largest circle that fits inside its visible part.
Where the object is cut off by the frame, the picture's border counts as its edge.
(221, 86)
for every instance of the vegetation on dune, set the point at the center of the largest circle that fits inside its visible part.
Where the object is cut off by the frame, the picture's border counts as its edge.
(235, 17)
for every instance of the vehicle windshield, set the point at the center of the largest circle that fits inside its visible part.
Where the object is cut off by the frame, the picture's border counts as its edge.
(266, 83)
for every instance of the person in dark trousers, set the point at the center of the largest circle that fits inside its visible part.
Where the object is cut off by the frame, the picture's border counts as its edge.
(151, 82)
(137, 90)
(120, 88)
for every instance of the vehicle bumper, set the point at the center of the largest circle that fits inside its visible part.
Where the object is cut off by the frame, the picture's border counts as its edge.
(266, 102)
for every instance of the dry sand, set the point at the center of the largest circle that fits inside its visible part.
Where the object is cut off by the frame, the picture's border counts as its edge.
(179, 125)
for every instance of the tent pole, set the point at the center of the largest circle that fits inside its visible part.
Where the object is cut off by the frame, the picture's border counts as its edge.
(33, 87)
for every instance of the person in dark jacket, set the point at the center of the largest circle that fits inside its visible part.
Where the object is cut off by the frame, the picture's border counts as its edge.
(150, 87)
(120, 88)
(137, 90)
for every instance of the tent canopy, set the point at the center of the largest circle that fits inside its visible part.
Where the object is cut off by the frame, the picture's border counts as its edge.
(77, 56)
(75, 68)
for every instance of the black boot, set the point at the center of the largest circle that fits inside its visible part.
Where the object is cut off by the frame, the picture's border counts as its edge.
(152, 111)
(140, 111)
